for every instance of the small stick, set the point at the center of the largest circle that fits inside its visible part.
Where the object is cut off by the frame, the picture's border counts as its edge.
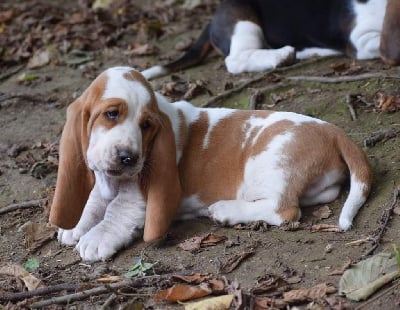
(38, 292)
(351, 108)
(103, 289)
(23, 205)
(341, 79)
(215, 100)
(381, 135)
(384, 220)
(109, 301)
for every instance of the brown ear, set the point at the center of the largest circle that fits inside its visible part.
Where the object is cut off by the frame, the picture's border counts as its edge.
(74, 179)
(390, 37)
(164, 189)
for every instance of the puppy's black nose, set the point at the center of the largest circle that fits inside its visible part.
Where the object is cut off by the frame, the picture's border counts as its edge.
(127, 157)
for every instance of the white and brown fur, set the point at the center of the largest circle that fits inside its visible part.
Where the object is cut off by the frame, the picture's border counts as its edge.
(257, 35)
(132, 160)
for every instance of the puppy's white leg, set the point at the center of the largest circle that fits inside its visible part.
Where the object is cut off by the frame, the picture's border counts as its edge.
(92, 214)
(123, 221)
(366, 33)
(232, 212)
(316, 51)
(246, 53)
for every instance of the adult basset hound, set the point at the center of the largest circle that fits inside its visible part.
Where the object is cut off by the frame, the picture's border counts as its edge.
(257, 35)
(130, 159)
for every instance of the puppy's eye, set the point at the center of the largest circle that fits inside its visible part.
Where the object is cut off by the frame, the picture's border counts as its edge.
(146, 124)
(112, 115)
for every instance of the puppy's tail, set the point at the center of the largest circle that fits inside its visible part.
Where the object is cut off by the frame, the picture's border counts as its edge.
(360, 180)
(194, 55)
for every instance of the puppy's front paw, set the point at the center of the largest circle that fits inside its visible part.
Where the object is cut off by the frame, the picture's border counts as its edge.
(66, 236)
(100, 243)
(223, 212)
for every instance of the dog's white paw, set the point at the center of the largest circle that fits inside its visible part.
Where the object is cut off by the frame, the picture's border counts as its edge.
(223, 212)
(66, 236)
(100, 243)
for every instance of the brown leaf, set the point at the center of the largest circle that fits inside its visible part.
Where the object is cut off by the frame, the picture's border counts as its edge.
(388, 103)
(141, 50)
(37, 234)
(195, 278)
(322, 213)
(308, 294)
(267, 284)
(342, 269)
(191, 244)
(217, 286)
(269, 303)
(211, 239)
(39, 59)
(30, 281)
(182, 292)
(106, 278)
(325, 228)
(196, 243)
(234, 261)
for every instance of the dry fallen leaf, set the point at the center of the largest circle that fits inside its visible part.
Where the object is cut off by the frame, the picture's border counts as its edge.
(267, 284)
(195, 278)
(182, 292)
(325, 228)
(30, 281)
(109, 279)
(307, 294)
(211, 239)
(322, 213)
(388, 103)
(141, 50)
(269, 303)
(39, 59)
(196, 243)
(342, 269)
(37, 234)
(234, 261)
(213, 303)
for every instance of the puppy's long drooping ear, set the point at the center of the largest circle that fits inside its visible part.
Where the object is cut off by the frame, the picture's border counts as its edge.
(74, 179)
(390, 38)
(164, 189)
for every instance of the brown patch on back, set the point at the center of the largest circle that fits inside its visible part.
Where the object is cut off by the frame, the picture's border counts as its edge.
(216, 172)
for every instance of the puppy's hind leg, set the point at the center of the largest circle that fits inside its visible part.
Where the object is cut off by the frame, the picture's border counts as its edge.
(232, 212)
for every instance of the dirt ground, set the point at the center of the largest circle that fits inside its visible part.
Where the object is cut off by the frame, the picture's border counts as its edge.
(31, 120)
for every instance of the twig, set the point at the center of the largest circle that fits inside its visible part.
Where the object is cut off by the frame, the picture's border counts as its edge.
(215, 100)
(133, 282)
(23, 205)
(341, 79)
(11, 72)
(109, 301)
(39, 292)
(381, 135)
(384, 220)
(351, 108)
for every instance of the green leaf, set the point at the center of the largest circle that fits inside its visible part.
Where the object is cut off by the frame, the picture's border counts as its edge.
(27, 77)
(139, 268)
(31, 264)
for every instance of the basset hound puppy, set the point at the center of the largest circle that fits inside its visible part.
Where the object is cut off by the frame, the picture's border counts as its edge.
(131, 160)
(257, 35)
